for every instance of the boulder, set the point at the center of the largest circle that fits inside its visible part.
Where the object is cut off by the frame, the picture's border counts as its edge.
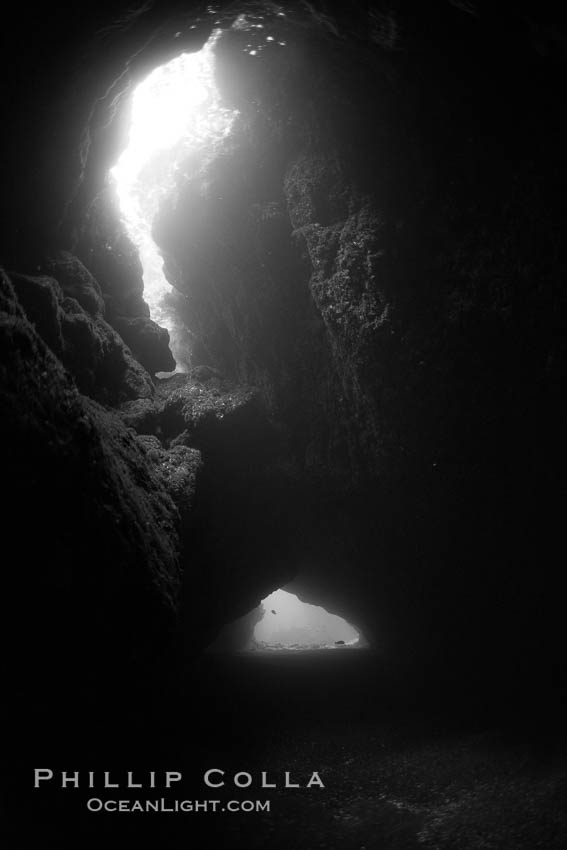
(76, 281)
(86, 344)
(148, 342)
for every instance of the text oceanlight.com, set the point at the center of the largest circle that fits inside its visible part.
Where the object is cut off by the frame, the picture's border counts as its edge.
(95, 804)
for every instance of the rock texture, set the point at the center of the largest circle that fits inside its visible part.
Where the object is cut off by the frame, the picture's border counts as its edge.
(90, 349)
(92, 526)
(367, 250)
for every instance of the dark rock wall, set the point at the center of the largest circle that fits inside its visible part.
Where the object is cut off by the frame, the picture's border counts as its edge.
(372, 272)
(378, 248)
(91, 529)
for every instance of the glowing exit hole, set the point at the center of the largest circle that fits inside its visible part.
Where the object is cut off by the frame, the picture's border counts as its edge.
(289, 624)
(176, 112)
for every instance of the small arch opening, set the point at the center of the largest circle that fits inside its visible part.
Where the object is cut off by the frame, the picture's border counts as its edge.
(283, 624)
(291, 625)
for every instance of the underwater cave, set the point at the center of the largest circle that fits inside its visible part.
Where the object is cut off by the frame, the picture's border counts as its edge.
(281, 319)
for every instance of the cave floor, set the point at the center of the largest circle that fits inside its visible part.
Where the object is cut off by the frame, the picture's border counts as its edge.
(397, 776)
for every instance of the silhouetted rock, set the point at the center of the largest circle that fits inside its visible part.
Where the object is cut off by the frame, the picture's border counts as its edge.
(148, 342)
(103, 559)
(112, 257)
(76, 281)
(88, 347)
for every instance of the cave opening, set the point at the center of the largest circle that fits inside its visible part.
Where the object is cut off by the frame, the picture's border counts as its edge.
(291, 625)
(177, 123)
(283, 625)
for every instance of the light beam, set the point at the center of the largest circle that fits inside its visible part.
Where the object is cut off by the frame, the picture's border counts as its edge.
(176, 111)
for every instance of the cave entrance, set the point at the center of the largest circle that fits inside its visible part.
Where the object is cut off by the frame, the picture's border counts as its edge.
(177, 125)
(288, 624)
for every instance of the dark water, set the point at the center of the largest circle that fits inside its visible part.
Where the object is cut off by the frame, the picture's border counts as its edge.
(404, 765)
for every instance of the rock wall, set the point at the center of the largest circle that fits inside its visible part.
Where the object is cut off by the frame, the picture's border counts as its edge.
(369, 251)
(91, 524)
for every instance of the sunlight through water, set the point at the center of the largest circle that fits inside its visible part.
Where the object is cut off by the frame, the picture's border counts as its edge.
(176, 113)
(288, 623)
